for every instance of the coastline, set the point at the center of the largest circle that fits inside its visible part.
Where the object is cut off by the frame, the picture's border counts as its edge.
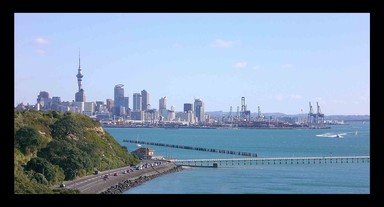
(128, 183)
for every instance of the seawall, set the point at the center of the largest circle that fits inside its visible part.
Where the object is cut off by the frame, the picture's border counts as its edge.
(151, 173)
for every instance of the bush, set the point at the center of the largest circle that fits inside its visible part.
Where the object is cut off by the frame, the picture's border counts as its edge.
(40, 178)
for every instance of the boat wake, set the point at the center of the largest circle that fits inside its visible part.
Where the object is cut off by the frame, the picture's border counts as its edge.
(332, 135)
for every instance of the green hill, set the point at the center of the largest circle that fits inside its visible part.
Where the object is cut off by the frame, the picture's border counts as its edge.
(50, 147)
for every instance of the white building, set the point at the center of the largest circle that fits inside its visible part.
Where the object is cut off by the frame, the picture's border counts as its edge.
(171, 115)
(186, 117)
(89, 108)
(77, 107)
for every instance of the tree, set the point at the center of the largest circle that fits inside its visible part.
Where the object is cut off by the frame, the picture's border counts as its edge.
(41, 165)
(28, 140)
(67, 156)
(66, 126)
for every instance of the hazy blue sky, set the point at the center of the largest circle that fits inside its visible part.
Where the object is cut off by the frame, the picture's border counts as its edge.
(279, 62)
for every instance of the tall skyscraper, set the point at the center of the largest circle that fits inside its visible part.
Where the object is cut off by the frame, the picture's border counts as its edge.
(163, 103)
(119, 99)
(145, 99)
(199, 110)
(110, 104)
(187, 107)
(163, 107)
(43, 100)
(137, 102)
(80, 95)
(43, 96)
(126, 103)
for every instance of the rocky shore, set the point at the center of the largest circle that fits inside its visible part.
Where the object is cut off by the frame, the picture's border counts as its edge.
(125, 185)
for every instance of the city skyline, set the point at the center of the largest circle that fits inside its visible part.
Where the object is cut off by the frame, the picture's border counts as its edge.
(279, 62)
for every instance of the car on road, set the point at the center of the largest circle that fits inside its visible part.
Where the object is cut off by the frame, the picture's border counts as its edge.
(62, 185)
(115, 174)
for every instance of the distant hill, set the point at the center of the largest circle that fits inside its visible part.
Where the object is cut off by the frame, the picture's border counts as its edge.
(278, 114)
(50, 147)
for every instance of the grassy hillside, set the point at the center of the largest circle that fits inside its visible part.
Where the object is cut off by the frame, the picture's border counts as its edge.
(50, 147)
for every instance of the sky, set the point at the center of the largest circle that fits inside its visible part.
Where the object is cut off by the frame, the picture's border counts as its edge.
(278, 61)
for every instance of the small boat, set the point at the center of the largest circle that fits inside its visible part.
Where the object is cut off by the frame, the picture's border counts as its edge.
(340, 135)
(356, 133)
(330, 135)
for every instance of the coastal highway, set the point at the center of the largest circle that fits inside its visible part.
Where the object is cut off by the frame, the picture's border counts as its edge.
(95, 184)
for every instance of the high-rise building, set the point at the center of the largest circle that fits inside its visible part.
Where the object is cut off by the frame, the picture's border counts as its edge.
(80, 95)
(77, 107)
(199, 110)
(151, 115)
(186, 117)
(43, 100)
(137, 102)
(163, 108)
(89, 108)
(188, 107)
(99, 104)
(42, 95)
(110, 104)
(56, 101)
(171, 114)
(126, 104)
(163, 103)
(145, 99)
(119, 94)
(119, 99)
(137, 115)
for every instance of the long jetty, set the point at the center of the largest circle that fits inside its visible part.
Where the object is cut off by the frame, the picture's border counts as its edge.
(231, 152)
(270, 160)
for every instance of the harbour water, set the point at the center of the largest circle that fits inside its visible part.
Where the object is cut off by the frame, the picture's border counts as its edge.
(326, 178)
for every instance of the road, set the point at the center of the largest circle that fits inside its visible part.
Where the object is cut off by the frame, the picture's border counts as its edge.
(94, 184)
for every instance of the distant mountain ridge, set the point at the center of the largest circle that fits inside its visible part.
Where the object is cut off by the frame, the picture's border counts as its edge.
(279, 114)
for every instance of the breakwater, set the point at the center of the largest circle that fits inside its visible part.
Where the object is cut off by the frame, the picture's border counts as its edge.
(248, 154)
(130, 183)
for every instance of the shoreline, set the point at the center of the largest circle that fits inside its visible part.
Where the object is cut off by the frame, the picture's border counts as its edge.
(217, 127)
(124, 185)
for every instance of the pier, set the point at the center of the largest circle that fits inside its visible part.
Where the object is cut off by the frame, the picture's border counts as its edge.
(231, 152)
(271, 161)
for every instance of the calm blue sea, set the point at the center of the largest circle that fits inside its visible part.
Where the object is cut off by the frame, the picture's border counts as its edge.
(341, 178)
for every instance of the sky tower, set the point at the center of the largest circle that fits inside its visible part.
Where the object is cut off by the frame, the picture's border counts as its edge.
(79, 75)
(80, 95)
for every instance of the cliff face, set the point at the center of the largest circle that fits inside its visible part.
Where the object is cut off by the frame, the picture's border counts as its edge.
(51, 147)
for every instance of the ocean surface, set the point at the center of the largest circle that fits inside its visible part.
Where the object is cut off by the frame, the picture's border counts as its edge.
(325, 178)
